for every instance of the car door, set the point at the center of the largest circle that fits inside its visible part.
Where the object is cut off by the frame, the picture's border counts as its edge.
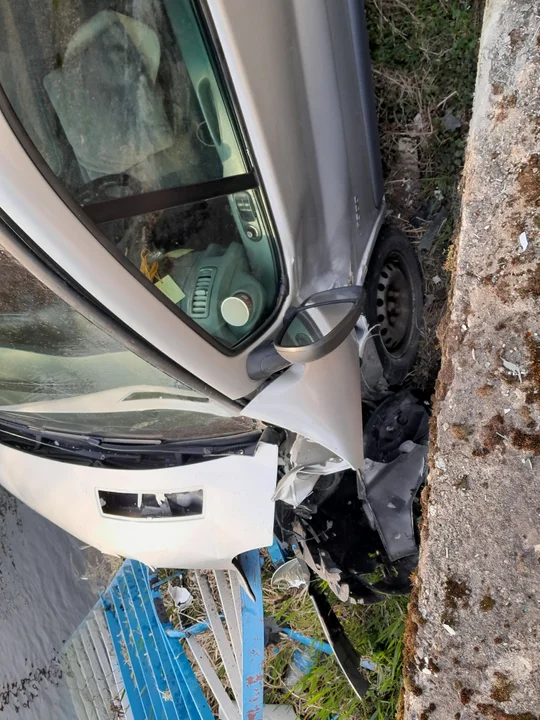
(135, 158)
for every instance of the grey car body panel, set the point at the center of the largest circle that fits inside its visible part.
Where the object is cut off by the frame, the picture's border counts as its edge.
(390, 490)
(294, 69)
(360, 40)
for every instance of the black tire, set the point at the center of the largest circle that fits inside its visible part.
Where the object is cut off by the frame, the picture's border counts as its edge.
(394, 303)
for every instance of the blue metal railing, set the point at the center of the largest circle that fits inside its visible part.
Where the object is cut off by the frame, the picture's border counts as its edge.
(159, 680)
(143, 665)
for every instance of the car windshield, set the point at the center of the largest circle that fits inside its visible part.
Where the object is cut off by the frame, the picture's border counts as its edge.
(60, 372)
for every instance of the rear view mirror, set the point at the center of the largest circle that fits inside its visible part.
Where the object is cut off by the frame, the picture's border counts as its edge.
(320, 324)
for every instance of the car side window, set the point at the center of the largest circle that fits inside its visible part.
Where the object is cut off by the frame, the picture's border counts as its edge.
(125, 103)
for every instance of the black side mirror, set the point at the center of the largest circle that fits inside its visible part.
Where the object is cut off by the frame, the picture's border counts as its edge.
(320, 324)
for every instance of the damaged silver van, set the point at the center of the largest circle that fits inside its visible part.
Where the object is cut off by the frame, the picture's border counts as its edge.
(204, 324)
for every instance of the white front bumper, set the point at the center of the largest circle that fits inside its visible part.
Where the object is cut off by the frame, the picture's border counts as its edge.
(238, 512)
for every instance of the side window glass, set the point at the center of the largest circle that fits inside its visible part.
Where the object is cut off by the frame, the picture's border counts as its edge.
(124, 102)
(213, 259)
(130, 98)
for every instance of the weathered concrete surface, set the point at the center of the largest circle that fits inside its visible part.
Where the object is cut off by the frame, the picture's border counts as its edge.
(479, 572)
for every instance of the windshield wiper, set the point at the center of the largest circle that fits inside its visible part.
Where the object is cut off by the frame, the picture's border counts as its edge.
(122, 452)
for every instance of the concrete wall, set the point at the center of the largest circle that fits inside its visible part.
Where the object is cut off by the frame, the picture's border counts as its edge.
(473, 641)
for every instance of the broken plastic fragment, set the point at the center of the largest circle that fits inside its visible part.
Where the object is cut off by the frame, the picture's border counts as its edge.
(181, 596)
(451, 122)
(449, 629)
(440, 463)
(523, 241)
(513, 368)
(294, 573)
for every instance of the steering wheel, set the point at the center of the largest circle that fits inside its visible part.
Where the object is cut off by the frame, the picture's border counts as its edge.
(108, 187)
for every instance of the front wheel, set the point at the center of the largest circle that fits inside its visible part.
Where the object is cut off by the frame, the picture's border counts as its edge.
(394, 303)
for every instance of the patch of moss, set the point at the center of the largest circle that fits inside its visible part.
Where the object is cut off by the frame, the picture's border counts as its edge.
(414, 619)
(461, 431)
(425, 714)
(480, 452)
(502, 688)
(533, 346)
(506, 103)
(487, 603)
(529, 180)
(516, 38)
(456, 593)
(528, 419)
(462, 482)
(532, 286)
(529, 442)
(494, 713)
(492, 432)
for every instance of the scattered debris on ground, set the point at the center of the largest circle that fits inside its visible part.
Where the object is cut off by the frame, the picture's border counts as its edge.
(479, 569)
(376, 631)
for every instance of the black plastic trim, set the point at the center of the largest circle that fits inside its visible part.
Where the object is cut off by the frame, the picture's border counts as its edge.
(91, 450)
(133, 205)
(346, 656)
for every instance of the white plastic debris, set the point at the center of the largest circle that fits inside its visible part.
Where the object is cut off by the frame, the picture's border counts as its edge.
(513, 368)
(523, 241)
(181, 596)
(292, 574)
(436, 280)
(440, 463)
(506, 411)
(449, 629)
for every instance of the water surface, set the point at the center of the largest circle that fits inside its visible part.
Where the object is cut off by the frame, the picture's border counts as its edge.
(43, 599)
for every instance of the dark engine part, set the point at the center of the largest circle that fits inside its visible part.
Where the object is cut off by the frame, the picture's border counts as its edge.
(400, 418)
(340, 545)
(346, 536)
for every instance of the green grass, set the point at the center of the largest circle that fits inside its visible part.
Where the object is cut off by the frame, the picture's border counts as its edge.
(376, 631)
(424, 55)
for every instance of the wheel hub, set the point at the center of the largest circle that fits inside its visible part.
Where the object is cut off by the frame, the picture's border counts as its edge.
(394, 306)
